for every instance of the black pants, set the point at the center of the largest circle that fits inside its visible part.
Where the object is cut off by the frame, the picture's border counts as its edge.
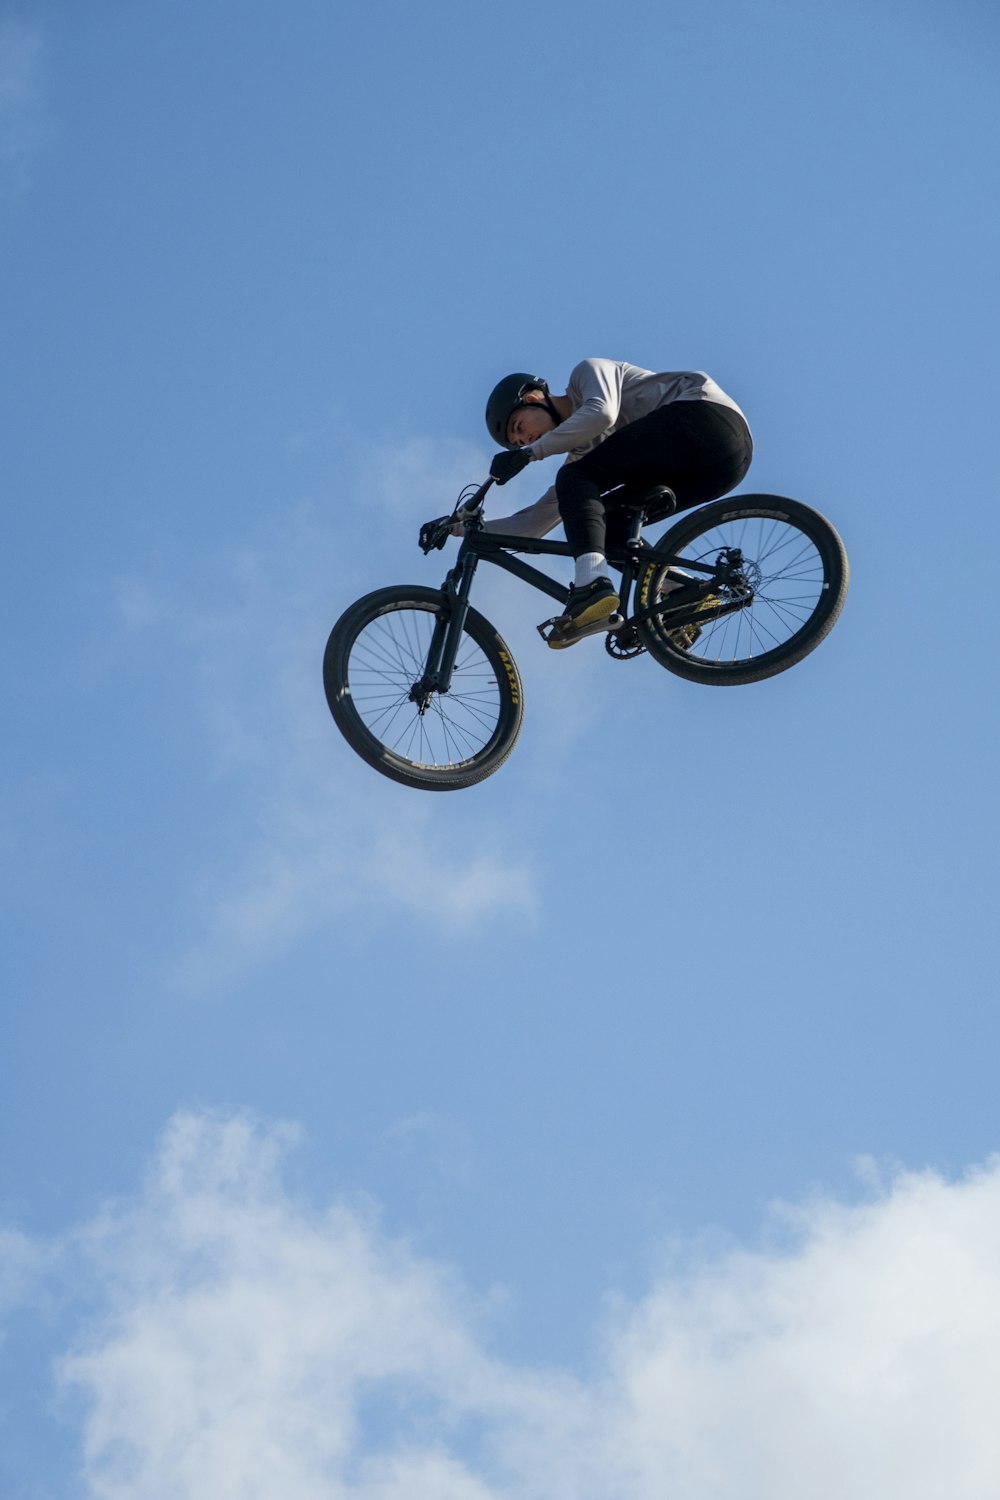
(699, 448)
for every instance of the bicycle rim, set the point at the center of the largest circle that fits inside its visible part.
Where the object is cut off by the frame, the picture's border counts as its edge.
(795, 566)
(375, 656)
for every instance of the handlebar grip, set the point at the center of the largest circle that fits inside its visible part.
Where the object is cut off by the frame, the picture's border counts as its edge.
(434, 534)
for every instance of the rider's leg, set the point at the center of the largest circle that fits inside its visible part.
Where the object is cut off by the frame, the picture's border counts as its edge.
(701, 449)
(593, 596)
(583, 516)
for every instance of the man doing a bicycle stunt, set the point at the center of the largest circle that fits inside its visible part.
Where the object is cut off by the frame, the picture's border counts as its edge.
(617, 424)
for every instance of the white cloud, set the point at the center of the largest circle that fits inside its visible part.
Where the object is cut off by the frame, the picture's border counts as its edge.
(248, 1340)
(862, 1362)
(252, 1345)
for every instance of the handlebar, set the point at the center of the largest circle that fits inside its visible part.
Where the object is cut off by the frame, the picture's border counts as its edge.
(434, 534)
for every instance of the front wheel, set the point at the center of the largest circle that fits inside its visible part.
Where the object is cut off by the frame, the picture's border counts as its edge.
(374, 657)
(763, 615)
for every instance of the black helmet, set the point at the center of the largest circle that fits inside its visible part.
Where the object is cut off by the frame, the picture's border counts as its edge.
(507, 397)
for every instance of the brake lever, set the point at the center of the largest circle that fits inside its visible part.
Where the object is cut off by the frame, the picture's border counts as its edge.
(434, 534)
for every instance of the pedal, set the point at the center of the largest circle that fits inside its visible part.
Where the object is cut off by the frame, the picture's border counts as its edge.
(569, 634)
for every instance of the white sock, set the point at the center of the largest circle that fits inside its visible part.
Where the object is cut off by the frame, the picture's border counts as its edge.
(590, 565)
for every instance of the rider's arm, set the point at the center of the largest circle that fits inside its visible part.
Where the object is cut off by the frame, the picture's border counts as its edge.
(533, 520)
(595, 389)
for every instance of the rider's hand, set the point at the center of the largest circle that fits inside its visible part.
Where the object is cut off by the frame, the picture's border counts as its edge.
(434, 534)
(506, 465)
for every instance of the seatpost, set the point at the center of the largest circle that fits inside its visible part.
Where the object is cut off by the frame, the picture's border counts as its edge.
(636, 522)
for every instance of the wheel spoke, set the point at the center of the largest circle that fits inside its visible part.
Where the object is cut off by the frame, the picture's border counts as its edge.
(785, 569)
(388, 658)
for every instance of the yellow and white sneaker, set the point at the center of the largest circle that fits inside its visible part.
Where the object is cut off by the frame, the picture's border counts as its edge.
(585, 609)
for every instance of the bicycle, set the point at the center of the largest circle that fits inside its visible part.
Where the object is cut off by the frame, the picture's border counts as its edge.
(426, 691)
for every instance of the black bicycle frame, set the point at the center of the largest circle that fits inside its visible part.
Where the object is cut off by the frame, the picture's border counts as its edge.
(494, 547)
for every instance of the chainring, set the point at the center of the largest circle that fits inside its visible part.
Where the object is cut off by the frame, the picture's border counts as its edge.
(623, 645)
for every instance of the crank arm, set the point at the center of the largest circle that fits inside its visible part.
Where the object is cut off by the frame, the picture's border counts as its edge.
(549, 628)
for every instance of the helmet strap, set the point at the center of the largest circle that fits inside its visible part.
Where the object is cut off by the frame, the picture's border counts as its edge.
(545, 404)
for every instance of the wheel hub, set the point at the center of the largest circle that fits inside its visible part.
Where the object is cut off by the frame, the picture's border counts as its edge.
(741, 575)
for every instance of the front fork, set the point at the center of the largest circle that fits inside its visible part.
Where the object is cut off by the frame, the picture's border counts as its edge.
(447, 634)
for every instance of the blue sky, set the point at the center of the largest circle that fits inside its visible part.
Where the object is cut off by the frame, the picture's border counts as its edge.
(639, 1104)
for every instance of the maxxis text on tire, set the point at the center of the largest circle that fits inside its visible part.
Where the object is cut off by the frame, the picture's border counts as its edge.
(374, 655)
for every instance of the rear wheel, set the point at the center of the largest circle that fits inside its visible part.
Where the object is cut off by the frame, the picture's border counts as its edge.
(794, 576)
(375, 656)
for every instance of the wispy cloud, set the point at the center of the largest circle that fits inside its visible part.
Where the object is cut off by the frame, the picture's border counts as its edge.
(327, 855)
(434, 1146)
(449, 888)
(248, 1344)
(21, 1263)
(421, 472)
(319, 835)
(21, 105)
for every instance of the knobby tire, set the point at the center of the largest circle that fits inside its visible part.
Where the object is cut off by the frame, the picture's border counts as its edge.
(800, 573)
(375, 654)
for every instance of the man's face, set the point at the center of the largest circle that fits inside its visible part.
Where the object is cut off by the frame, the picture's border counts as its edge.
(529, 422)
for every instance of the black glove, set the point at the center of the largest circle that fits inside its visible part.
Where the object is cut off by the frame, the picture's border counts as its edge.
(434, 534)
(506, 465)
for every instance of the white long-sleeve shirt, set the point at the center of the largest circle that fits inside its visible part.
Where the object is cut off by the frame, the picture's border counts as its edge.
(605, 395)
